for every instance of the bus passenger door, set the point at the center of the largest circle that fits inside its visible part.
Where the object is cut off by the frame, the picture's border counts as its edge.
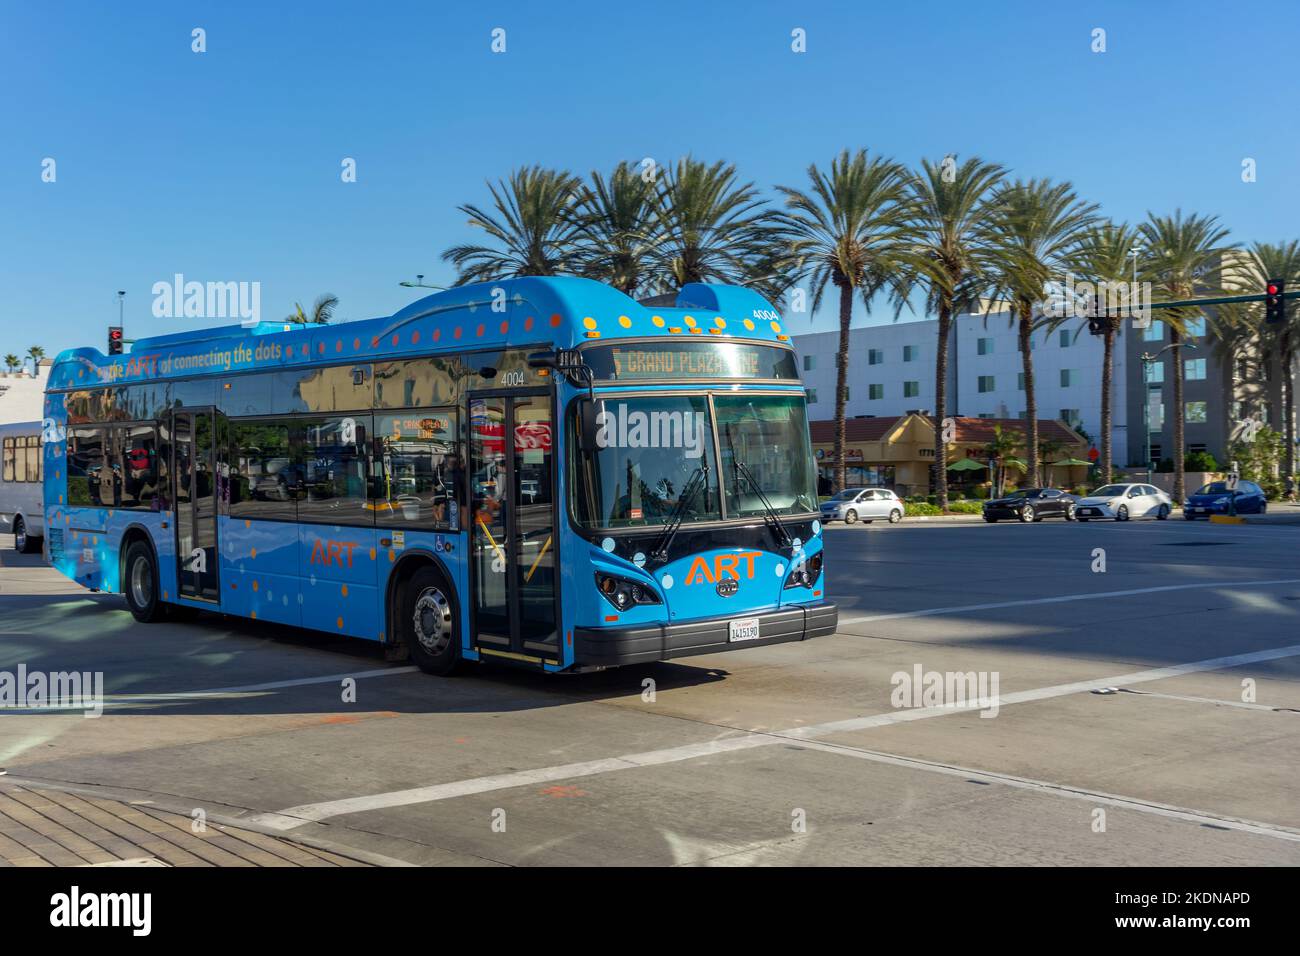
(513, 568)
(194, 489)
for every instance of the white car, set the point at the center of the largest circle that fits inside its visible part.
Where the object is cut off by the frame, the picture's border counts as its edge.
(865, 504)
(1122, 502)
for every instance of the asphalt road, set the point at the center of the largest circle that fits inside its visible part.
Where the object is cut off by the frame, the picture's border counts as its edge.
(793, 754)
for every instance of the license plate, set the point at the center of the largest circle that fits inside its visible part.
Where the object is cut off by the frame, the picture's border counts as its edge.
(745, 629)
(1198, 509)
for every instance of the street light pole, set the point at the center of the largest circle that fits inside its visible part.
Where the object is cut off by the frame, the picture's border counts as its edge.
(1148, 360)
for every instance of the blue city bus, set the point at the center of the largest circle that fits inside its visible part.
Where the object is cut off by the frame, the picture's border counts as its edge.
(536, 470)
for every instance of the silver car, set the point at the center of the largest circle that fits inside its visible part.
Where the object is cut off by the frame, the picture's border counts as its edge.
(865, 504)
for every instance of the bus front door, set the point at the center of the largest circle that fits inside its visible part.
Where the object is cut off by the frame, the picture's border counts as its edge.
(512, 530)
(195, 488)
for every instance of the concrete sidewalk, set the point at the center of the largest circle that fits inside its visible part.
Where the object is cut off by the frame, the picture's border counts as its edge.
(44, 827)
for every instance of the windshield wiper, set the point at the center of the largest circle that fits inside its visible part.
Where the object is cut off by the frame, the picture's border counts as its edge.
(660, 552)
(770, 516)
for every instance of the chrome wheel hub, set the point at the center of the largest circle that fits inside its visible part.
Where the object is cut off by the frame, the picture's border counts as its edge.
(141, 583)
(432, 621)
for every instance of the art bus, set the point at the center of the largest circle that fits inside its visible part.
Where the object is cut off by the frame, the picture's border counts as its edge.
(536, 470)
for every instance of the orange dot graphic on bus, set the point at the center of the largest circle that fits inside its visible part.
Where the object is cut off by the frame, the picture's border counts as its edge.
(589, 323)
(658, 321)
(556, 320)
(456, 332)
(396, 338)
(253, 615)
(719, 321)
(254, 553)
(247, 523)
(254, 585)
(776, 327)
(345, 590)
(338, 346)
(392, 556)
(505, 327)
(339, 622)
(374, 342)
(528, 324)
(478, 333)
(690, 321)
(320, 348)
(372, 554)
(749, 324)
(415, 337)
(624, 321)
(437, 334)
(356, 344)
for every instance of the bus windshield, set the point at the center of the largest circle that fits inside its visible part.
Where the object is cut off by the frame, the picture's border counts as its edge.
(649, 448)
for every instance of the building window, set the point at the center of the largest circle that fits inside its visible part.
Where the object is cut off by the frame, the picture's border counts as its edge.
(1069, 376)
(911, 389)
(875, 357)
(984, 346)
(1194, 413)
(809, 363)
(986, 383)
(875, 392)
(1070, 416)
(910, 352)
(1066, 339)
(986, 414)
(1155, 332)
(848, 392)
(1155, 452)
(1020, 381)
(812, 396)
(1195, 328)
(1155, 372)
(1194, 369)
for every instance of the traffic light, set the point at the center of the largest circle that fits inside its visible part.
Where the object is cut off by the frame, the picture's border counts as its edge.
(115, 340)
(1274, 304)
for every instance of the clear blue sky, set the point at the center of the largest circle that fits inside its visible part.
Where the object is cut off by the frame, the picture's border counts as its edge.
(225, 165)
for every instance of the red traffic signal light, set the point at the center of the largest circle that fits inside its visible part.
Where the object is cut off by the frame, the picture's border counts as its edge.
(1274, 302)
(115, 340)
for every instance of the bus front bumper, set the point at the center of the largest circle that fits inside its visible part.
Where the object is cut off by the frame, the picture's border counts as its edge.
(614, 646)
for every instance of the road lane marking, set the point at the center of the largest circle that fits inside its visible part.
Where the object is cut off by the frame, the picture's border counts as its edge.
(314, 812)
(1060, 599)
(1062, 790)
(1245, 705)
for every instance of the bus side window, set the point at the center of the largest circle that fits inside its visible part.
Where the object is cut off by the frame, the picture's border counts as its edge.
(85, 464)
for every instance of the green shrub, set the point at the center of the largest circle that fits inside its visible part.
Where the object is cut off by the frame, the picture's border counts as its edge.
(966, 507)
(1199, 461)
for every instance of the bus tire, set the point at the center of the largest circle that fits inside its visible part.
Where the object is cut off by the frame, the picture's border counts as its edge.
(140, 583)
(23, 542)
(428, 622)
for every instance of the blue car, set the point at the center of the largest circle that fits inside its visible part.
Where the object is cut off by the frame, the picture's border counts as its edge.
(1213, 499)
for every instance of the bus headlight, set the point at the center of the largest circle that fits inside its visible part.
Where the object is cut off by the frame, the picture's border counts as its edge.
(805, 575)
(623, 593)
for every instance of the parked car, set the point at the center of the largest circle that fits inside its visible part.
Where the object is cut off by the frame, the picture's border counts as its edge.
(1122, 502)
(1031, 504)
(1214, 499)
(866, 504)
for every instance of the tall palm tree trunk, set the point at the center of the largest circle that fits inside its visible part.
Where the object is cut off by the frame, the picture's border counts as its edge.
(1176, 353)
(1025, 330)
(941, 403)
(1107, 379)
(842, 383)
(1288, 406)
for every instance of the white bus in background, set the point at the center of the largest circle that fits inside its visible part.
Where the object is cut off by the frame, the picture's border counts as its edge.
(22, 512)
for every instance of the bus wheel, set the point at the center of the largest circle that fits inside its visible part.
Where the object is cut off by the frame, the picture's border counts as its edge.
(141, 584)
(428, 623)
(23, 544)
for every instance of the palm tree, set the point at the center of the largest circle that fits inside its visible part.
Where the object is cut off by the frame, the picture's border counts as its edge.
(1104, 260)
(1038, 230)
(1001, 446)
(36, 353)
(534, 223)
(618, 231)
(949, 255)
(12, 362)
(849, 231)
(321, 312)
(713, 224)
(1280, 261)
(1184, 257)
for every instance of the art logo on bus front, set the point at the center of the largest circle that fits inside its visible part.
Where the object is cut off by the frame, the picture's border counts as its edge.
(633, 428)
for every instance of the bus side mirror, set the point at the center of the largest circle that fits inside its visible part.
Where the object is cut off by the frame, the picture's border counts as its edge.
(588, 425)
